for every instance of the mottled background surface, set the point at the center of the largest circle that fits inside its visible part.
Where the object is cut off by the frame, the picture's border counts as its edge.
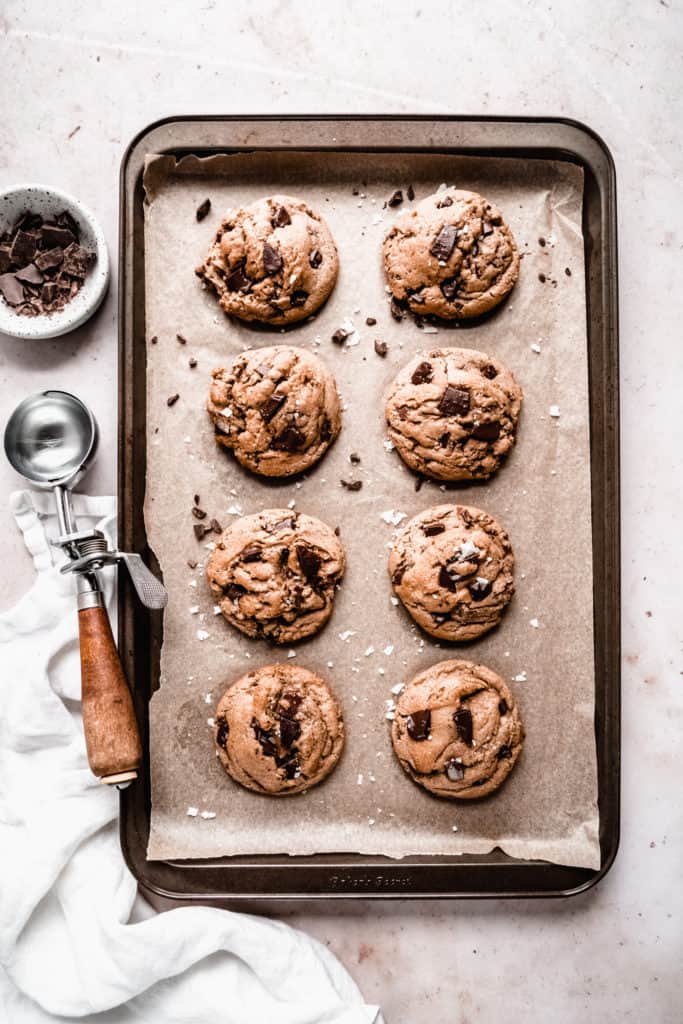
(79, 80)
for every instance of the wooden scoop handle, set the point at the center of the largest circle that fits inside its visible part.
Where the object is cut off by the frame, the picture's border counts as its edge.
(112, 738)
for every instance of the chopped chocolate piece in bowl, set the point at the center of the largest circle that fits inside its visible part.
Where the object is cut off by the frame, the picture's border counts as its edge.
(54, 266)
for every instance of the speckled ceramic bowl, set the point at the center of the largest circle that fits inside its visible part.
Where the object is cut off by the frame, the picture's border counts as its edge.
(49, 202)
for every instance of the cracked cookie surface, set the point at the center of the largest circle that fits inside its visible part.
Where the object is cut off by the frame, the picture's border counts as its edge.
(457, 730)
(273, 261)
(452, 568)
(274, 575)
(453, 256)
(279, 730)
(277, 408)
(452, 413)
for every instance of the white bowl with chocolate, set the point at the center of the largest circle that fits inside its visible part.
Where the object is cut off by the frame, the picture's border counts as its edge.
(54, 265)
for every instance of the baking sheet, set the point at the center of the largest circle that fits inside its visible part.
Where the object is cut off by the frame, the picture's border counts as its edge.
(548, 807)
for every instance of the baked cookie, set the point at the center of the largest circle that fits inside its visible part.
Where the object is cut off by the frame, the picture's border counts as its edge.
(452, 256)
(452, 568)
(452, 413)
(274, 574)
(279, 730)
(457, 730)
(277, 408)
(273, 261)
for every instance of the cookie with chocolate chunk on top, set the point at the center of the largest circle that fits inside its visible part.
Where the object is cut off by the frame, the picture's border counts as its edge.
(457, 730)
(452, 567)
(279, 730)
(274, 575)
(276, 408)
(273, 261)
(452, 413)
(452, 256)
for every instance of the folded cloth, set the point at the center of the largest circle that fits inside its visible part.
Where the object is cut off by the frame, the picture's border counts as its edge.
(74, 939)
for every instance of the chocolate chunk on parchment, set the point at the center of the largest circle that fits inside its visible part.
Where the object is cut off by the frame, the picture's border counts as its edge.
(396, 199)
(203, 209)
(351, 485)
(381, 348)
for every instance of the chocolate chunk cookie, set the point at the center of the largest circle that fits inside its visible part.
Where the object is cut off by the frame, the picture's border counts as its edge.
(276, 408)
(452, 567)
(457, 730)
(452, 256)
(279, 730)
(274, 261)
(275, 574)
(452, 413)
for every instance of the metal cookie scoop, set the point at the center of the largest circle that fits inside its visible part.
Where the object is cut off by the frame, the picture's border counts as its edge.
(51, 439)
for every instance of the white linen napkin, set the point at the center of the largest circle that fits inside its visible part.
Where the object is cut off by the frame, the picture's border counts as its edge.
(75, 940)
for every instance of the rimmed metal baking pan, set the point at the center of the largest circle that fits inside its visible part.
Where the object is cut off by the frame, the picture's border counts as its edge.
(257, 880)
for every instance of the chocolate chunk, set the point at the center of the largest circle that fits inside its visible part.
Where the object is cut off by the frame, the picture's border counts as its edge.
(381, 348)
(326, 430)
(418, 483)
(252, 553)
(222, 732)
(192, 362)
(283, 524)
(505, 753)
(422, 374)
(290, 440)
(541, 242)
(290, 730)
(11, 289)
(29, 275)
(28, 221)
(352, 485)
(419, 725)
(234, 591)
(172, 399)
(486, 228)
(48, 293)
(541, 278)
(446, 201)
(489, 371)
(265, 738)
(203, 209)
(65, 220)
(340, 336)
(76, 261)
(480, 589)
(410, 192)
(446, 580)
(196, 499)
(289, 704)
(216, 526)
(272, 405)
(5, 261)
(444, 243)
(298, 298)
(464, 724)
(315, 258)
(444, 440)
(370, 321)
(52, 235)
(486, 431)
(455, 771)
(192, 564)
(272, 260)
(198, 513)
(402, 411)
(397, 309)
(567, 271)
(397, 575)
(309, 562)
(454, 401)
(23, 248)
(237, 280)
(396, 199)
(153, 340)
(502, 707)
(449, 288)
(354, 458)
(432, 529)
(200, 529)
(283, 557)
(281, 218)
(49, 260)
